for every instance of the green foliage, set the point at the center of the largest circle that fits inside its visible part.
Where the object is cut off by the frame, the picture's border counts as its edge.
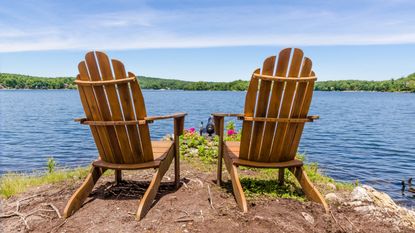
(17, 81)
(15, 183)
(51, 164)
(406, 84)
(192, 145)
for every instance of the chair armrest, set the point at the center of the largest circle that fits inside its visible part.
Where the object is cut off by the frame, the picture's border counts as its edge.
(313, 117)
(80, 120)
(221, 114)
(150, 119)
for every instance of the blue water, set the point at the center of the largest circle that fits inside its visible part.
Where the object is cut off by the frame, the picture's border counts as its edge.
(363, 136)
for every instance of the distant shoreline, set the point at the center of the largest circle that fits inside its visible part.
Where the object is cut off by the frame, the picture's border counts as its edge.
(25, 82)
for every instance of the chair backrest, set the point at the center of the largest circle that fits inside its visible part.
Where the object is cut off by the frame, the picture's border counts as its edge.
(282, 90)
(108, 95)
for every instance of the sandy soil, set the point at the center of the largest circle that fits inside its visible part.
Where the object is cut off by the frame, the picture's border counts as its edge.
(111, 208)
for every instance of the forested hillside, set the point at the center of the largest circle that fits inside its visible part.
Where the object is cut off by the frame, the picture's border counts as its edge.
(17, 81)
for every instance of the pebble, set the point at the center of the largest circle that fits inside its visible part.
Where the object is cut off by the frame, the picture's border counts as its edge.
(308, 217)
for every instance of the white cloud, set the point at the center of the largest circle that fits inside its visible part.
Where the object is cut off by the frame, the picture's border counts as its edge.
(235, 25)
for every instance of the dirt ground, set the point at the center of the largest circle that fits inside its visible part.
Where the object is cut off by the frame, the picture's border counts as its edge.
(111, 208)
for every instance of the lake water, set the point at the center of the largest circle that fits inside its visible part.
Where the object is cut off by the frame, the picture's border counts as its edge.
(363, 136)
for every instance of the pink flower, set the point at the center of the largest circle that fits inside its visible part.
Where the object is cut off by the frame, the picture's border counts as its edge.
(231, 132)
(192, 130)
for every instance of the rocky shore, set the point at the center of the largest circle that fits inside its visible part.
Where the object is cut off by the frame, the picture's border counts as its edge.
(199, 205)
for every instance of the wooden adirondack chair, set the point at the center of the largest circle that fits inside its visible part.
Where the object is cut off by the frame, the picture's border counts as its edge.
(116, 113)
(276, 107)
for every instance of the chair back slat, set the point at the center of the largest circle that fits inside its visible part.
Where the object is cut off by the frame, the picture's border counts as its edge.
(250, 102)
(127, 106)
(282, 97)
(113, 101)
(261, 108)
(274, 103)
(286, 104)
(92, 112)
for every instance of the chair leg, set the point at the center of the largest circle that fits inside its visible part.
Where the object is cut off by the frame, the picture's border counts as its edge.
(150, 194)
(118, 176)
(281, 172)
(236, 185)
(310, 191)
(219, 174)
(75, 202)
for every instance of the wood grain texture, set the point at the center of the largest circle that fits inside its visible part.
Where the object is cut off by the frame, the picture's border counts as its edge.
(286, 103)
(104, 66)
(250, 102)
(309, 190)
(236, 184)
(274, 104)
(115, 110)
(128, 112)
(141, 113)
(271, 131)
(261, 110)
(76, 200)
(148, 198)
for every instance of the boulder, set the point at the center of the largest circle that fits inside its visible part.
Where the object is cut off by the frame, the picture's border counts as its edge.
(360, 194)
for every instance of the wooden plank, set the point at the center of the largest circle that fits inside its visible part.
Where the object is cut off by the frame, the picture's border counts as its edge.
(236, 184)
(304, 111)
(309, 189)
(286, 103)
(147, 200)
(103, 105)
(89, 115)
(76, 200)
(96, 115)
(116, 115)
(128, 110)
(296, 111)
(250, 101)
(141, 113)
(274, 104)
(178, 130)
(261, 110)
(219, 125)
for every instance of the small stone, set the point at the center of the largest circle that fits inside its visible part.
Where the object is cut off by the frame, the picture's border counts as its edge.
(365, 209)
(332, 186)
(332, 197)
(361, 194)
(257, 217)
(354, 203)
(308, 217)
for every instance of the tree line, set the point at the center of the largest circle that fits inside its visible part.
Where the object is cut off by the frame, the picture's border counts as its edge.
(18, 81)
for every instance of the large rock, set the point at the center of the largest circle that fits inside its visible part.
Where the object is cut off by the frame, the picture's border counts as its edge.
(360, 194)
(332, 197)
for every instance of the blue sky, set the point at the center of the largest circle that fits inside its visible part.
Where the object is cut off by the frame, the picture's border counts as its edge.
(209, 40)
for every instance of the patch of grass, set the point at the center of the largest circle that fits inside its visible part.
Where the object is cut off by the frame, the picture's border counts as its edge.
(15, 183)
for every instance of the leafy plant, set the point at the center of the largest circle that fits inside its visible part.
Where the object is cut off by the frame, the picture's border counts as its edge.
(51, 164)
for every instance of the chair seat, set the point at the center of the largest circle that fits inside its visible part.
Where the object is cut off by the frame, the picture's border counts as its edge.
(231, 150)
(160, 151)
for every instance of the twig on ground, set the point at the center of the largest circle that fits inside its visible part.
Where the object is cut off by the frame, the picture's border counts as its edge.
(358, 230)
(184, 220)
(59, 226)
(184, 184)
(335, 220)
(55, 209)
(210, 198)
